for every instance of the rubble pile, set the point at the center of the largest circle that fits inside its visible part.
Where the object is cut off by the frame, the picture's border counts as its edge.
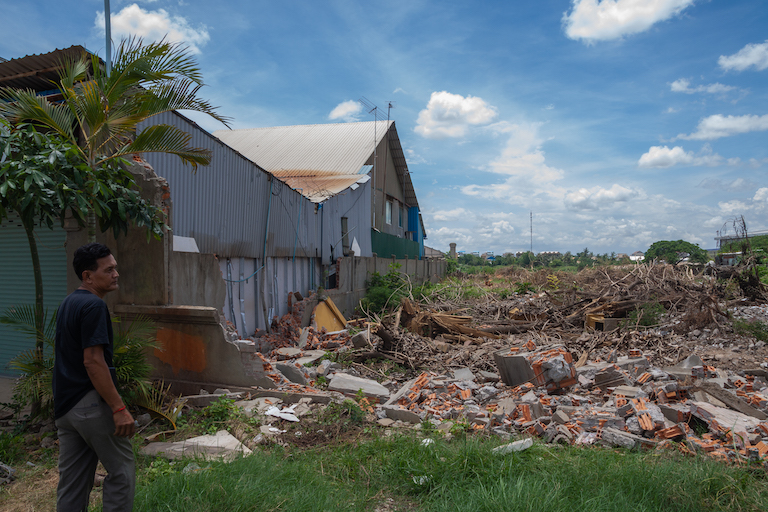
(569, 365)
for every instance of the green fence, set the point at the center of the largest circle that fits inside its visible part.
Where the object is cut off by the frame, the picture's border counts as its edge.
(385, 246)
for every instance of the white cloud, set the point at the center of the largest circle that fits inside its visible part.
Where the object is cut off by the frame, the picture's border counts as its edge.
(662, 156)
(449, 215)
(449, 115)
(733, 206)
(522, 159)
(717, 126)
(348, 111)
(751, 55)
(600, 20)
(761, 195)
(683, 85)
(597, 198)
(154, 26)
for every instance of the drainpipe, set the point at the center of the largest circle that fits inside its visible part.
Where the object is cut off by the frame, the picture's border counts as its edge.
(296, 240)
(241, 291)
(264, 259)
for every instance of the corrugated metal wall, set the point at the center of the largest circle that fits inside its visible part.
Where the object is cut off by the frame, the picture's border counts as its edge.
(18, 282)
(224, 205)
(355, 205)
(255, 292)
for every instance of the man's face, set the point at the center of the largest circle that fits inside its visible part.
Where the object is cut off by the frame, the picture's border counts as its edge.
(104, 278)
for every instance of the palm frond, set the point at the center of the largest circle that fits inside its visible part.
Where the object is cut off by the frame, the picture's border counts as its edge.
(167, 139)
(158, 403)
(23, 318)
(26, 106)
(179, 94)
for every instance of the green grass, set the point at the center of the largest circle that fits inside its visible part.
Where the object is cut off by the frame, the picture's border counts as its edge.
(755, 328)
(459, 476)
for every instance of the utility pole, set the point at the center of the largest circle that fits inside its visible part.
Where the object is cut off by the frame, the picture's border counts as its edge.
(531, 231)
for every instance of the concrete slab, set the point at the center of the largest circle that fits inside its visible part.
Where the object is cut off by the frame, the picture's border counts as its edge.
(222, 446)
(350, 385)
(292, 373)
(310, 357)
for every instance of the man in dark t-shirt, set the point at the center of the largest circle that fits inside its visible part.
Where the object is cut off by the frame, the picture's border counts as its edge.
(93, 423)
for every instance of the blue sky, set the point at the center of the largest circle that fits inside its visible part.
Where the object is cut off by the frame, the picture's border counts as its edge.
(617, 123)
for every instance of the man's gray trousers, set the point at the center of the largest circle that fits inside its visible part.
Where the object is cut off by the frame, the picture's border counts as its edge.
(86, 436)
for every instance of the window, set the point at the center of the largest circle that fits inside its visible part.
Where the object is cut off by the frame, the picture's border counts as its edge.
(345, 236)
(388, 213)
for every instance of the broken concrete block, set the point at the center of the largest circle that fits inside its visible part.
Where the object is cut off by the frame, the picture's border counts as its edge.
(361, 340)
(288, 353)
(614, 437)
(629, 391)
(222, 446)
(292, 373)
(514, 368)
(560, 417)
(464, 374)
(488, 376)
(207, 399)
(350, 385)
(310, 357)
(610, 377)
(404, 415)
(257, 405)
(517, 446)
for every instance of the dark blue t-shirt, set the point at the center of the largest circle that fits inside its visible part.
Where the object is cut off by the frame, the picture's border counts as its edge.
(82, 321)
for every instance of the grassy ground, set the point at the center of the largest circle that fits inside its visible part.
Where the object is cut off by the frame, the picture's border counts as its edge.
(339, 462)
(400, 473)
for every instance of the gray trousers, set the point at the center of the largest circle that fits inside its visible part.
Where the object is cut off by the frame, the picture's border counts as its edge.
(85, 438)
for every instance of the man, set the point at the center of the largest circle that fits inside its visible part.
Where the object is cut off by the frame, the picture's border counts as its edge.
(93, 423)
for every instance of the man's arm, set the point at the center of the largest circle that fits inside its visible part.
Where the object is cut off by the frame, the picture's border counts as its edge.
(98, 372)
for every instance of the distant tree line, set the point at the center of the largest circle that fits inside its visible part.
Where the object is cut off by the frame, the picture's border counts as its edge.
(585, 258)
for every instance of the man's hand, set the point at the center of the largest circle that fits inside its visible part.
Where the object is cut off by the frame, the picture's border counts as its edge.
(124, 424)
(98, 372)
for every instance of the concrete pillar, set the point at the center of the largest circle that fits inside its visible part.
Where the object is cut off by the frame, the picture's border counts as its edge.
(452, 253)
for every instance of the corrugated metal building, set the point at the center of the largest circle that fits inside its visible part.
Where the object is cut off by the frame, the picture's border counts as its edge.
(269, 238)
(322, 160)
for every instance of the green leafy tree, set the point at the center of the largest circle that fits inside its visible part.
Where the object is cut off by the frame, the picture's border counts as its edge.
(674, 252)
(99, 113)
(42, 178)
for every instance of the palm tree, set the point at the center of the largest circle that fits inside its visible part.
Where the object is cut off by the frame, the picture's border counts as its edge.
(99, 112)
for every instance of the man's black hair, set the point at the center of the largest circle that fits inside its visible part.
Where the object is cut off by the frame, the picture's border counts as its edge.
(87, 256)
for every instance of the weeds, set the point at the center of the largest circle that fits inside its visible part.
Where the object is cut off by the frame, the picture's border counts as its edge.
(385, 292)
(753, 328)
(645, 315)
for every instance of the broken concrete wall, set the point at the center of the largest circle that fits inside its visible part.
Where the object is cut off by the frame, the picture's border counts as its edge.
(143, 263)
(354, 272)
(193, 348)
(196, 280)
(182, 293)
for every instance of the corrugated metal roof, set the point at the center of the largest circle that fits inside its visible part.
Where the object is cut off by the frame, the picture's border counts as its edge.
(338, 148)
(37, 72)
(321, 159)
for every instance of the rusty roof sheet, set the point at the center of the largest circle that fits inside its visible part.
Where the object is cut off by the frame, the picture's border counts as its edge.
(36, 72)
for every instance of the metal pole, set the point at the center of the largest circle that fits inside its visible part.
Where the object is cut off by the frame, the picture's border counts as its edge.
(108, 29)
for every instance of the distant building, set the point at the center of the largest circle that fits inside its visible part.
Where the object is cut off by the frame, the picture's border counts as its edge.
(637, 256)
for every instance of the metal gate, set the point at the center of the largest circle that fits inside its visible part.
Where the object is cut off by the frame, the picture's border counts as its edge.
(17, 282)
